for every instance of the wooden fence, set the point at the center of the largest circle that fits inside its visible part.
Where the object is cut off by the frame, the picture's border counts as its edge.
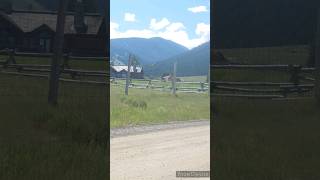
(300, 83)
(10, 66)
(159, 85)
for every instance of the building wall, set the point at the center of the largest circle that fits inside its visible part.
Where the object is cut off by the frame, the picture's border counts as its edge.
(136, 75)
(115, 74)
(41, 40)
(10, 36)
(123, 74)
(86, 45)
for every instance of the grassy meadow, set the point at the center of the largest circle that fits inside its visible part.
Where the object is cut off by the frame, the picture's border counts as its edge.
(194, 78)
(294, 55)
(253, 139)
(145, 106)
(265, 139)
(39, 142)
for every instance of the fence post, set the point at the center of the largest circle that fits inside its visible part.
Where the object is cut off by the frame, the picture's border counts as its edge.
(317, 58)
(174, 88)
(202, 86)
(12, 58)
(66, 61)
(149, 84)
(58, 54)
(128, 76)
(9, 59)
(295, 71)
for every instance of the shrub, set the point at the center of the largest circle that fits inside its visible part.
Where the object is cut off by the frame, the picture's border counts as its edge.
(136, 103)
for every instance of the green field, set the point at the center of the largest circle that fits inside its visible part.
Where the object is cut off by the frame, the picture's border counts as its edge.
(145, 106)
(284, 55)
(191, 83)
(74, 64)
(265, 139)
(297, 54)
(41, 142)
(194, 78)
(294, 55)
(38, 141)
(253, 139)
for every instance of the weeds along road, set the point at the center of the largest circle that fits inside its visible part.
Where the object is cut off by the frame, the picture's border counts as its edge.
(158, 151)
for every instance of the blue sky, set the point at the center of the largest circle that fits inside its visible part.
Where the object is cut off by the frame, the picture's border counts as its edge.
(186, 22)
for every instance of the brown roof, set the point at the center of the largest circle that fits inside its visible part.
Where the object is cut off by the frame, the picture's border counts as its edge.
(28, 21)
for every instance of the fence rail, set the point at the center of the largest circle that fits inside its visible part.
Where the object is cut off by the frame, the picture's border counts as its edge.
(186, 87)
(9, 66)
(48, 55)
(265, 90)
(282, 67)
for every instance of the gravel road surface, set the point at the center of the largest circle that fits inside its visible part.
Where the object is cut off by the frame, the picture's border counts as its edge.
(158, 151)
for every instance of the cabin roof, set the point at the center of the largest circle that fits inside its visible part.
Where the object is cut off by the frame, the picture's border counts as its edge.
(28, 21)
(125, 68)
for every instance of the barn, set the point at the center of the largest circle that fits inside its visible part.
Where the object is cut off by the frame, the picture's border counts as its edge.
(121, 72)
(34, 31)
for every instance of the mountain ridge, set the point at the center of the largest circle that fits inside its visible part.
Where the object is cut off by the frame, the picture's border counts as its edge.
(194, 62)
(147, 51)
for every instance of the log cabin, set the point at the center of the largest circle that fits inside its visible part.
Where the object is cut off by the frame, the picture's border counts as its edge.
(34, 31)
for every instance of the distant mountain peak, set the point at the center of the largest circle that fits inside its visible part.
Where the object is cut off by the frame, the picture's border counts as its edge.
(148, 51)
(159, 38)
(194, 62)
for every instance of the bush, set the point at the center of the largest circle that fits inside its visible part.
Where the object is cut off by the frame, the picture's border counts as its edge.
(136, 103)
(68, 123)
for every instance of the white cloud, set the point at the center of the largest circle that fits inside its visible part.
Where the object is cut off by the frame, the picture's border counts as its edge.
(114, 25)
(160, 24)
(113, 29)
(175, 32)
(203, 30)
(198, 9)
(175, 27)
(115, 33)
(129, 17)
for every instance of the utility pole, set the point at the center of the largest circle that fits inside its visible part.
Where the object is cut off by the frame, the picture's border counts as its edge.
(128, 75)
(174, 79)
(317, 58)
(58, 54)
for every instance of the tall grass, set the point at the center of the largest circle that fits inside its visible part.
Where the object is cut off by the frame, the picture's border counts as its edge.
(265, 139)
(295, 54)
(52, 161)
(145, 106)
(41, 142)
(262, 139)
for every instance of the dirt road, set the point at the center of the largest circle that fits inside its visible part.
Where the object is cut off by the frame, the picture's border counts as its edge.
(160, 152)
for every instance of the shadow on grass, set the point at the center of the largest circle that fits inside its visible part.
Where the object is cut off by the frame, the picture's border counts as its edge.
(264, 139)
(41, 142)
